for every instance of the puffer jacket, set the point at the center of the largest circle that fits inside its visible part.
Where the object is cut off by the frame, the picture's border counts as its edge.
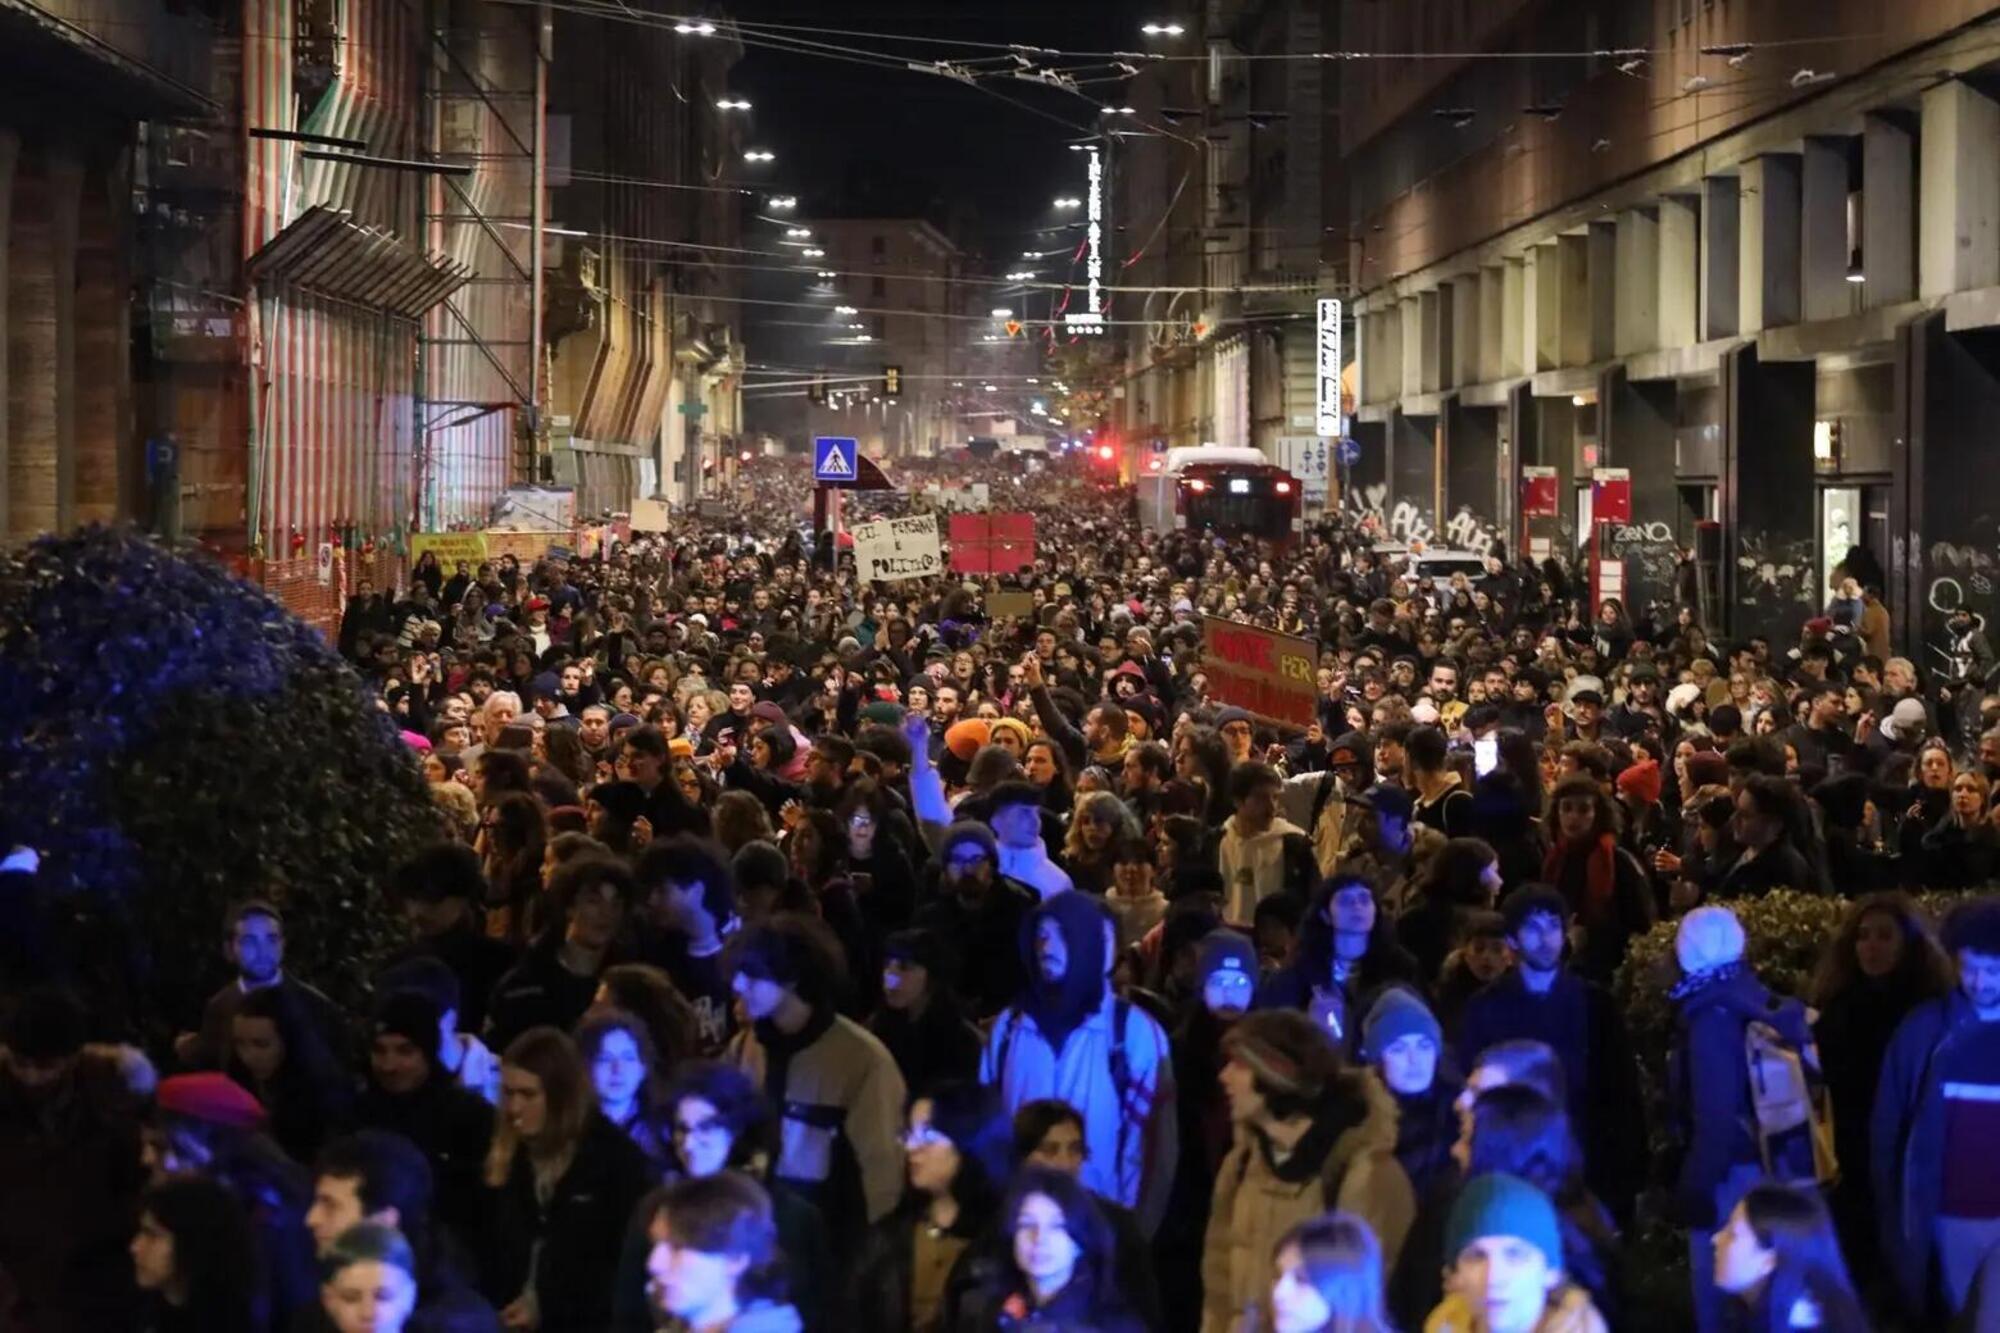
(1256, 1202)
(1569, 1311)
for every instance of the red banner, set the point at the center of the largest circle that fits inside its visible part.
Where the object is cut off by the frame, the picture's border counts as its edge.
(992, 543)
(1540, 492)
(1273, 675)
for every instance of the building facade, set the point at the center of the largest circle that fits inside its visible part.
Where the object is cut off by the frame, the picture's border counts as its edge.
(1747, 255)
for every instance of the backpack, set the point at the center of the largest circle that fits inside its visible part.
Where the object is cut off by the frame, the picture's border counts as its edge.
(1791, 1110)
(1121, 1068)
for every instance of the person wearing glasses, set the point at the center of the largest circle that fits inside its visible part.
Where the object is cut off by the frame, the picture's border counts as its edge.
(982, 910)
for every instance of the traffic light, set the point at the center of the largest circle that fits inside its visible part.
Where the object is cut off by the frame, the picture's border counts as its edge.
(892, 381)
(816, 391)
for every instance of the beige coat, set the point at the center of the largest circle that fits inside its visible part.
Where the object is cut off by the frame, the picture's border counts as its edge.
(1253, 1208)
(1570, 1312)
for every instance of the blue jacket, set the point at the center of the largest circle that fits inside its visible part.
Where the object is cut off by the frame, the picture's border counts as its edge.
(1906, 1141)
(1710, 1085)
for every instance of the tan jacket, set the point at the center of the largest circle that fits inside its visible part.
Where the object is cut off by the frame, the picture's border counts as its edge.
(1253, 1208)
(1874, 629)
(1570, 1312)
(1395, 887)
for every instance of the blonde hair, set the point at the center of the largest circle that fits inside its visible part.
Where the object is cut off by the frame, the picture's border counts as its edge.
(1099, 804)
(552, 1058)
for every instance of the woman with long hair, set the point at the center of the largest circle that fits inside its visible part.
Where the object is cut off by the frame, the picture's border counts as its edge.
(1962, 850)
(562, 1183)
(1347, 955)
(1881, 963)
(279, 1057)
(194, 1259)
(1101, 821)
(1463, 877)
(649, 994)
(514, 835)
(1058, 1270)
(562, 750)
(1606, 887)
(1777, 1256)
(1781, 849)
(914, 1268)
(1328, 1278)
(624, 1072)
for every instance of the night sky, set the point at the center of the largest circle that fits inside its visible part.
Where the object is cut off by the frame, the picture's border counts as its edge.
(855, 140)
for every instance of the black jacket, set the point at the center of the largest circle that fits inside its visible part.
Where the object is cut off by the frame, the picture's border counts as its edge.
(539, 991)
(938, 1046)
(988, 934)
(581, 1229)
(452, 1127)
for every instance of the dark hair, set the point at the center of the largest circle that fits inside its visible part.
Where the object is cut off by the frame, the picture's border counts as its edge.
(686, 859)
(368, 1242)
(49, 1024)
(1426, 748)
(1795, 1226)
(1453, 877)
(502, 771)
(974, 1118)
(388, 1171)
(1036, 1118)
(886, 743)
(648, 994)
(1250, 777)
(1533, 1064)
(1974, 925)
(796, 951)
(438, 873)
(1017, 791)
(1605, 815)
(578, 874)
(251, 907)
(738, 1103)
(1518, 1130)
(1154, 758)
(1756, 754)
(1096, 1245)
(425, 975)
(213, 1250)
(727, 1213)
(1532, 900)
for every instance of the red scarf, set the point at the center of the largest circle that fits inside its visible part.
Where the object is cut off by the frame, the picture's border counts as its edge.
(1600, 871)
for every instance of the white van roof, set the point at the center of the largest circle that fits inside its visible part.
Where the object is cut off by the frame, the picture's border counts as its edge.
(1186, 456)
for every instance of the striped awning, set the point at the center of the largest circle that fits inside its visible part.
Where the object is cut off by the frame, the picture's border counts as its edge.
(324, 252)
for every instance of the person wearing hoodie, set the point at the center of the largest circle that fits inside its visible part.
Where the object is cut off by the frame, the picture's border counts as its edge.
(1310, 1135)
(1930, 1141)
(1403, 1043)
(1261, 853)
(1071, 1037)
(1709, 1091)
(1347, 954)
(1506, 1261)
(839, 1089)
(715, 1266)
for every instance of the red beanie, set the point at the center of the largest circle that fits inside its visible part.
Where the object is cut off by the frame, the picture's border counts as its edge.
(214, 1099)
(1641, 781)
(964, 739)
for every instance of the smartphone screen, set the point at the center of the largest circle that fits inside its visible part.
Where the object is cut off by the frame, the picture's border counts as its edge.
(1485, 755)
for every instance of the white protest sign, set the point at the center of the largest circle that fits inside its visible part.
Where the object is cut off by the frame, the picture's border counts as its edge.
(890, 549)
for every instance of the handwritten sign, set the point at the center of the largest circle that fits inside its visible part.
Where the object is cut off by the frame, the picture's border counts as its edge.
(892, 549)
(451, 547)
(1273, 675)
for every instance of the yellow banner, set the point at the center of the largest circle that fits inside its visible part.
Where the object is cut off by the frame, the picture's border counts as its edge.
(451, 547)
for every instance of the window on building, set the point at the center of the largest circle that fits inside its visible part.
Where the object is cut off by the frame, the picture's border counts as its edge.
(879, 287)
(878, 246)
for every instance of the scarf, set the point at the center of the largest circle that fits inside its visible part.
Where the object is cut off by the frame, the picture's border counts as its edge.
(1600, 871)
(1696, 982)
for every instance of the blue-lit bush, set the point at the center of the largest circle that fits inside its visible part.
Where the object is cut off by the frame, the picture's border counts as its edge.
(171, 741)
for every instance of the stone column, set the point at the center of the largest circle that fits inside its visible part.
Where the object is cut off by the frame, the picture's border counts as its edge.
(1636, 327)
(1721, 251)
(1958, 211)
(1678, 292)
(1888, 194)
(1768, 281)
(1825, 291)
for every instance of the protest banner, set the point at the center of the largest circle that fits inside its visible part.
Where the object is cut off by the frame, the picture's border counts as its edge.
(1272, 675)
(891, 549)
(451, 547)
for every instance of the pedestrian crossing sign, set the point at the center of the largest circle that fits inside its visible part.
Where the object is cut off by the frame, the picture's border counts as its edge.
(833, 459)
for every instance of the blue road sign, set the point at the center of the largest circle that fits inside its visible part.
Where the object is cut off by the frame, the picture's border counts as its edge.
(833, 459)
(1348, 452)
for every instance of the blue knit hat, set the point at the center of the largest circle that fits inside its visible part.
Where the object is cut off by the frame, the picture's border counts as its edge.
(1498, 1204)
(1225, 950)
(1398, 1014)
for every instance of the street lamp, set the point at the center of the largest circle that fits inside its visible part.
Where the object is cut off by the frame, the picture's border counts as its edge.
(760, 155)
(695, 29)
(798, 233)
(814, 254)
(1002, 312)
(729, 104)
(783, 201)
(845, 310)
(1068, 201)
(1119, 111)
(1162, 29)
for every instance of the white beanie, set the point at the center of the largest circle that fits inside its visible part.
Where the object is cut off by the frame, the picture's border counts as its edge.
(1709, 937)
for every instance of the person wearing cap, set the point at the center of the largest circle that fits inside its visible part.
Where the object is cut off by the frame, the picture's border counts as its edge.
(1709, 1093)
(1404, 1045)
(1016, 818)
(1071, 1035)
(1931, 1138)
(1389, 847)
(1505, 1250)
(1310, 1135)
(1541, 999)
(1323, 803)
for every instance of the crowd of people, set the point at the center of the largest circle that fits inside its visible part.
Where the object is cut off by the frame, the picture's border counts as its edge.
(803, 953)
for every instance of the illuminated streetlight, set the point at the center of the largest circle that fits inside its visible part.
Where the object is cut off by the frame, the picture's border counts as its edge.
(760, 155)
(695, 29)
(814, 254)
(783, 201)
(1162, 29)
(1002, 312)
(798, 233)
(845, 310)
(728, 104)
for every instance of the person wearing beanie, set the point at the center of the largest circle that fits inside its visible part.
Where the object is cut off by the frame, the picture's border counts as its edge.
(1226, 970)
(1930, 1140)
(1012, 735)
(1071, 1035)
(983, 912)
(1708, 1086)
(1238, 731)
(408, 1092)
(922, 1018)
(1405, 1047)
(1645, 828)
(1310, 1135)
(1506, 1265)
(964, 739)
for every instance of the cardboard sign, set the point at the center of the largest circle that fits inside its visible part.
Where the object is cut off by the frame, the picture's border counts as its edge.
(1009, 605)
(649, 516)
(451, 547)
(1275, 676)
(892, 549)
